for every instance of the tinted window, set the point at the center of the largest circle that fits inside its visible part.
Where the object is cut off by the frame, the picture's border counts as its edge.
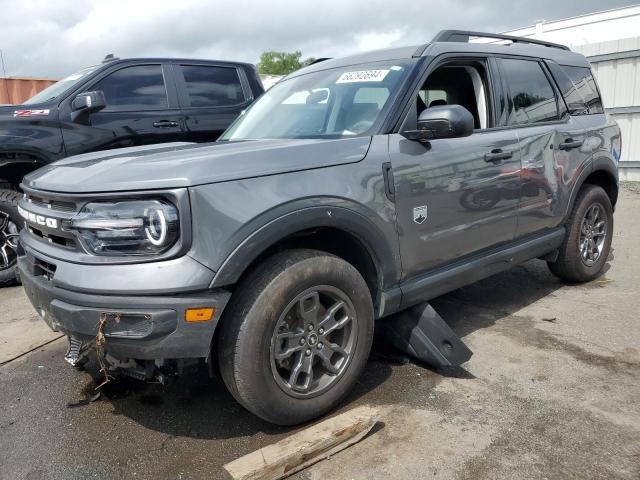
(532, 97)
(212, 86)
(134, 88)
(573, 99)
(585, 84)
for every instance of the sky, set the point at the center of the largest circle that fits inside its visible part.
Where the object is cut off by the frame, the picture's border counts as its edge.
(51, 39)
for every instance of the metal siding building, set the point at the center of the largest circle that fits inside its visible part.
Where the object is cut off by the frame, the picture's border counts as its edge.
(610, 41)
(616, 65)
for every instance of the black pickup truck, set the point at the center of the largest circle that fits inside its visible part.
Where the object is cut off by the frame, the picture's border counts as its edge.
(119, 103)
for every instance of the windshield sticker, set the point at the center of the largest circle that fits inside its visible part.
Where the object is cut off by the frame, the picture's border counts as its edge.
(362, 76)
(30, 113)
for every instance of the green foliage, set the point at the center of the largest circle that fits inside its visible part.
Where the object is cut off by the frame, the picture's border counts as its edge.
(281, 63)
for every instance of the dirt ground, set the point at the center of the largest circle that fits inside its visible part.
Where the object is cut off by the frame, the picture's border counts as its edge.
(552, 391)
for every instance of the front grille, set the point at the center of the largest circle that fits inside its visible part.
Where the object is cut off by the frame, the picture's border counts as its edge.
(55, 208)
(43, 269)
(55, 239)
(52, 204)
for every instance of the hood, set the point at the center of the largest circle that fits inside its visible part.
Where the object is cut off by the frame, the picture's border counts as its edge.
(174, 165)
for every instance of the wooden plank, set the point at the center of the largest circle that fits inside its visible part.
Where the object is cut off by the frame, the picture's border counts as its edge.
(304, 448)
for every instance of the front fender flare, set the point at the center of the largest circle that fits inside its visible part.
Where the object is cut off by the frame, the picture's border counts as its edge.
(383, 251)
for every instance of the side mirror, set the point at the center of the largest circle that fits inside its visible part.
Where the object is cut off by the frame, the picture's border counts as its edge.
(442, 121)
(87, 103)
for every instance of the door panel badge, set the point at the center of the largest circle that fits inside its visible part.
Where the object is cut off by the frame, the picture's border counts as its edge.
(420, 214)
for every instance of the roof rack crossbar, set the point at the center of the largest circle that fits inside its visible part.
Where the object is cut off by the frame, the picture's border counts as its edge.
(464, 36)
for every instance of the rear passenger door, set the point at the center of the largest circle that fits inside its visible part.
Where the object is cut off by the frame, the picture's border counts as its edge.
(550, 143)
(211, 97)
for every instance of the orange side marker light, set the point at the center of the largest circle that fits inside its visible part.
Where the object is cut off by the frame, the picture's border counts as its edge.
(193, 315)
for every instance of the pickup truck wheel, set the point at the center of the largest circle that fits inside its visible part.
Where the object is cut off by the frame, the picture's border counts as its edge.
(586, 246)
(9, 221)
(296, 336)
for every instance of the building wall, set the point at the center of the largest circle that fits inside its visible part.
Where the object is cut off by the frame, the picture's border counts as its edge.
(616, 65)
(17, 90)
(611, 43)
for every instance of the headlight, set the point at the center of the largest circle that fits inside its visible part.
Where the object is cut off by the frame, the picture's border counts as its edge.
(133, 227)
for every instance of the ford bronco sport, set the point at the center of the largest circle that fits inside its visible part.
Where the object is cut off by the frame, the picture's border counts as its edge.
(119, 103)
(353, 189)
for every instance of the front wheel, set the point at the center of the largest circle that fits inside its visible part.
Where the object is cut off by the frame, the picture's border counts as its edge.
(9, 226)
(587, 242)
(297, 336)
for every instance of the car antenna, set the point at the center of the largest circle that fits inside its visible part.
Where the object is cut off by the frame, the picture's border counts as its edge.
(109, 58)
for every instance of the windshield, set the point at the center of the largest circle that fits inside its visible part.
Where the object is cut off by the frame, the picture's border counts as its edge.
(333, 103)
(52, 91)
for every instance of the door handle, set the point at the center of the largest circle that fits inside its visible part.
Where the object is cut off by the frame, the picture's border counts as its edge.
(165, 124)
(570, 143)
(497, 155)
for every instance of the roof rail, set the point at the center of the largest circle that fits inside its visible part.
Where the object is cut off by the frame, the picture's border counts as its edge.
(463, 36)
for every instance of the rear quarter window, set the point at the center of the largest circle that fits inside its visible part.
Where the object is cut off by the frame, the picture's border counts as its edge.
(584, 83)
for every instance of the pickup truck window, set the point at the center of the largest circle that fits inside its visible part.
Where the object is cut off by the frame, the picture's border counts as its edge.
(533, 98)
(331, 103)
(53, 91)
(134, 88)
(212, 86)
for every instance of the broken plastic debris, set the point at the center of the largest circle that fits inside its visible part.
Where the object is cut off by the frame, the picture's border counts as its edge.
(85, 401)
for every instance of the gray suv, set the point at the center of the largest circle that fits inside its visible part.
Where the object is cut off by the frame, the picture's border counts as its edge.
(352, 190)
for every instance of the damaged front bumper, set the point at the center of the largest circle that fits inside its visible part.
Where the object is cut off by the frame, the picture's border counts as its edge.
(140, 326)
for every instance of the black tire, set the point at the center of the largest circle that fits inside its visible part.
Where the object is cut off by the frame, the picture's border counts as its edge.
(570, 265)
(9, 205)
(257, 308)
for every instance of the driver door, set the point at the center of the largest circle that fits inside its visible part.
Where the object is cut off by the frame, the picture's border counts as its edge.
(141, 109)
(456, 196)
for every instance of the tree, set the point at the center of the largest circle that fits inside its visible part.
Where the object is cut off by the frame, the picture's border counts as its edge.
(281, 63)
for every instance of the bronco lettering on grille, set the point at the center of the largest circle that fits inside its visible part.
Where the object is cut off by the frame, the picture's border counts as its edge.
(38, 219)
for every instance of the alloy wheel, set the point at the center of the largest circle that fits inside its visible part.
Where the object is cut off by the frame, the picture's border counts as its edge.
(8, 242)
(314, 341)
(593, 232)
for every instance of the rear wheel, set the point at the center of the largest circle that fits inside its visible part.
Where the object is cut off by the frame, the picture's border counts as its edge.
(587, 242)
(9, 227)
(297, 336)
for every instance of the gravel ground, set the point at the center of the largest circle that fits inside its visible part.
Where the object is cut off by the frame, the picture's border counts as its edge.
(551, 392)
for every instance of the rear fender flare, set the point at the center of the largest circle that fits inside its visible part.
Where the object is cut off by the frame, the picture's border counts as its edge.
(597, 164)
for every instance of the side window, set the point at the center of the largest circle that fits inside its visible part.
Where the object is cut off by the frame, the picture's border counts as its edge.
(428, 96)
(134, 88)
(465, 85)
(583, 80)
(532, 96)
(572, 97)
(212, 86)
